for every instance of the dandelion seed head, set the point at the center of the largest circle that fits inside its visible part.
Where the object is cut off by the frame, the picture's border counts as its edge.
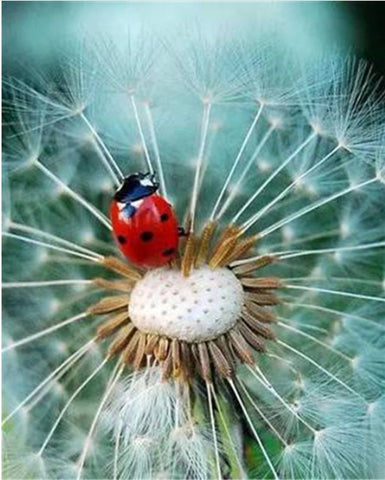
(137, 148)
(54, 306)
(43, 257)
(168, 369)
(62, 347)
(87, 236)
(380, 174)
(264, 165)
(288, 234)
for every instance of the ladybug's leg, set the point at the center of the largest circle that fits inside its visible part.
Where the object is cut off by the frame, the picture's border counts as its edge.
(182, 232)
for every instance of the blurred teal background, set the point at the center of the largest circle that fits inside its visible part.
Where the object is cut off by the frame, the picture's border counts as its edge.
(37, 31)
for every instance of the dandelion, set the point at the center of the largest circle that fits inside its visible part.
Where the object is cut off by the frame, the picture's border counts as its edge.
(258, 351)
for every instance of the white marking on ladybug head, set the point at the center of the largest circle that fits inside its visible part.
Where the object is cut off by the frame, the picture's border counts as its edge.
(197, 308)
(147, 182)
(137, 203)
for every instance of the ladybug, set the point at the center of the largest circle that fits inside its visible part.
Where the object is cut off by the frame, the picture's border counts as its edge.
(143, 222)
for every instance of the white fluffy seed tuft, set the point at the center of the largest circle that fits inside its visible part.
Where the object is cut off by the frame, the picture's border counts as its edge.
(197, 308)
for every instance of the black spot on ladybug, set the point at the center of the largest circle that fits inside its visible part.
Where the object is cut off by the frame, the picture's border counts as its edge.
(122, 239)
(164, 217)
(146, 236)
(168, 252)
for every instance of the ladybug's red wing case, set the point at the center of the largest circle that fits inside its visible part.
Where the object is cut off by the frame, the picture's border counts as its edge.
(149, 237)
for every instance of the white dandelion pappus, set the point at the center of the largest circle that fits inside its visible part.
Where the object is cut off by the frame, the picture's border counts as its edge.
(196, 362)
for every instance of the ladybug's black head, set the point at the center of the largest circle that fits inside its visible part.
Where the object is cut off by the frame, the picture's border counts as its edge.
(135, 187)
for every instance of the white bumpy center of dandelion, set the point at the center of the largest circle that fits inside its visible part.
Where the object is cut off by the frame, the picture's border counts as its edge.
(196, 308)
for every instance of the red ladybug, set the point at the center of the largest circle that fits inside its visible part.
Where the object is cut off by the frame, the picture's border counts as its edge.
(143, 222)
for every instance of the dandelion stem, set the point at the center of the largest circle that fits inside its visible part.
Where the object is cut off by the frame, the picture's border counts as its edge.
(212, 421)
(265, 382)
(248, 419)
(324, 331)
(339, 313)
(293, 254)
(335, 292)
(78, 198)
(284, 192)
(314, 206)
(47, 245)
(116, 450)
(141, 134)
(320, 367)
(289, 364)
(99, 151)
(313, 339)
(214, 215)
(44, 391)
(44, 332)
(110, 386)
(67, 363)
(61, 241)
(261, 414)
(159, 166)
(106, 158)
(68, 403)
(235, 189)
(313, 278)
(287, 254)
(47, 283)
(202, 145)
(226, 428)
(273, 175)
(336, 232)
